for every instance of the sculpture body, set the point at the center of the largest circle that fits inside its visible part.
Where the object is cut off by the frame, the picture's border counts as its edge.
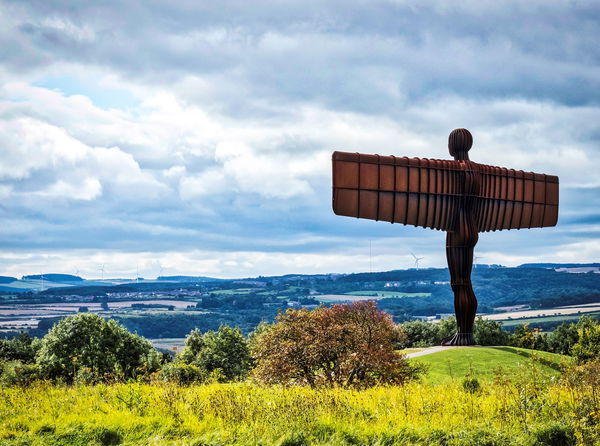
(459, 196)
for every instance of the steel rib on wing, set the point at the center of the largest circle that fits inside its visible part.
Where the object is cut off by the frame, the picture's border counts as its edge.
(411, 191)
(426, 192)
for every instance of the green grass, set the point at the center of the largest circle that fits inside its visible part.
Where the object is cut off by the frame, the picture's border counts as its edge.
(486, 362)
(240, 414)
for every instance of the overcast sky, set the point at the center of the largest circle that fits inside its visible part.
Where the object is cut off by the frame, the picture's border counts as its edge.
(195, 137)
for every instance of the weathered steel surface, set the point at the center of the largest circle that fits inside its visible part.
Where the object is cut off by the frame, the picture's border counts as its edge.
(457, 196)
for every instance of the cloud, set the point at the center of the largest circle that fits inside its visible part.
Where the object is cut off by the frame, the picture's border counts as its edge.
(208, 128)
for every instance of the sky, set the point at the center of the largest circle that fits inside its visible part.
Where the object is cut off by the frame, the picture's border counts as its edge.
(195, 137)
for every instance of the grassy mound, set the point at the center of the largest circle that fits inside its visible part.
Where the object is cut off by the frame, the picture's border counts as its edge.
(485, 363)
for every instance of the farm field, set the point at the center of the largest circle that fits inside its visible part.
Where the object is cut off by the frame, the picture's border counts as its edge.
(487, 362)
(364, 295)
(25, 316)
(548, 319)
(387, 294)
(556, 311)
(173, 344)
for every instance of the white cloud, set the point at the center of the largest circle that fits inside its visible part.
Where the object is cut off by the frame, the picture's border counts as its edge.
(224, 141)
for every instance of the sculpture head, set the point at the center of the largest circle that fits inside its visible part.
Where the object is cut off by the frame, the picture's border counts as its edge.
(459, 143)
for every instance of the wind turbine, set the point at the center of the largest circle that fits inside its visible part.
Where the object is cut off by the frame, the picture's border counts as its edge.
(417, 260)
(102, 269)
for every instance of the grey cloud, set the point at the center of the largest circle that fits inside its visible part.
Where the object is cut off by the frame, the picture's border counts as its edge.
(386, 77)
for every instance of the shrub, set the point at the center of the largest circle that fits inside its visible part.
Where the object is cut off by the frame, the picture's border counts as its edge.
(587, 346)
(181, 373)
(471, 384)
(225, 349)
(555, 435)
(420, 334)
(87, 345)
(344, 345)
(22, 348)
(16, 373)
(488, 332)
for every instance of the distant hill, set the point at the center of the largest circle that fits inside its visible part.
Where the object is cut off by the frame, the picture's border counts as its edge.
(559, 265)
(7, 279)
(188, 279)
(54, 277)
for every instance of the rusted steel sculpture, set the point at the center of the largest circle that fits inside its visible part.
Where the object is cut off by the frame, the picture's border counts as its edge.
(458, 196)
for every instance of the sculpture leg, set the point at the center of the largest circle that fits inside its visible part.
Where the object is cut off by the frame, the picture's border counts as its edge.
(460, 263)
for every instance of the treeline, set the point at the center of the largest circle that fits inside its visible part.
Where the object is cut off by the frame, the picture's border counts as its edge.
(342, 345)
(580, 339)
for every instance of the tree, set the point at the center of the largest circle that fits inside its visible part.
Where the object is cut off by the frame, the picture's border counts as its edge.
(225, 349)
(22, 348)
(343, 345)
(421, 334)
(86, 343)
(527, 337)
(562, 339)
(488, 332)
(588, 345)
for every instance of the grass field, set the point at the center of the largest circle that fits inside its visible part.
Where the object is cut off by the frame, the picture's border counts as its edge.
(526, 405)
(486, 363)
(524, 409)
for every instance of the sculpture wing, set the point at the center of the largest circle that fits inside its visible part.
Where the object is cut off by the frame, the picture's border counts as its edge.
(513, 199)
(411, 191)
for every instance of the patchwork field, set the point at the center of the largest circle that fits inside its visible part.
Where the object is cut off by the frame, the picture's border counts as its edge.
(547, 312)
(382, 294)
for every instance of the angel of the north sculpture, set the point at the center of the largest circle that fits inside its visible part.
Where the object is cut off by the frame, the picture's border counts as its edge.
(458, 196)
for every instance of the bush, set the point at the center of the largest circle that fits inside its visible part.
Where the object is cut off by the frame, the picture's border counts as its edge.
(182, 373)
(22, 348)
(471, 384)
(16, 373)
(587, 346)
(555, 435)
(87, 346)
(488, 332)
(420, 334)
(225, 349)
(344, 345)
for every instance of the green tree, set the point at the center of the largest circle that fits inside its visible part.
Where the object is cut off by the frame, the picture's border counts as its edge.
(225, 349)
(343, 345)
(22, 348)
(488, 332)
(527, 337)
(421, 334)
(87, 344)
(562, 339)
(587, 346)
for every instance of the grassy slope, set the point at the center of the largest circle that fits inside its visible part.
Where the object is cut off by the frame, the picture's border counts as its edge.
(485, 362)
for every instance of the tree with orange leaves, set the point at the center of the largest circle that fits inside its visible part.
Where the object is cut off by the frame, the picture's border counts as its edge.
(350, 345)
